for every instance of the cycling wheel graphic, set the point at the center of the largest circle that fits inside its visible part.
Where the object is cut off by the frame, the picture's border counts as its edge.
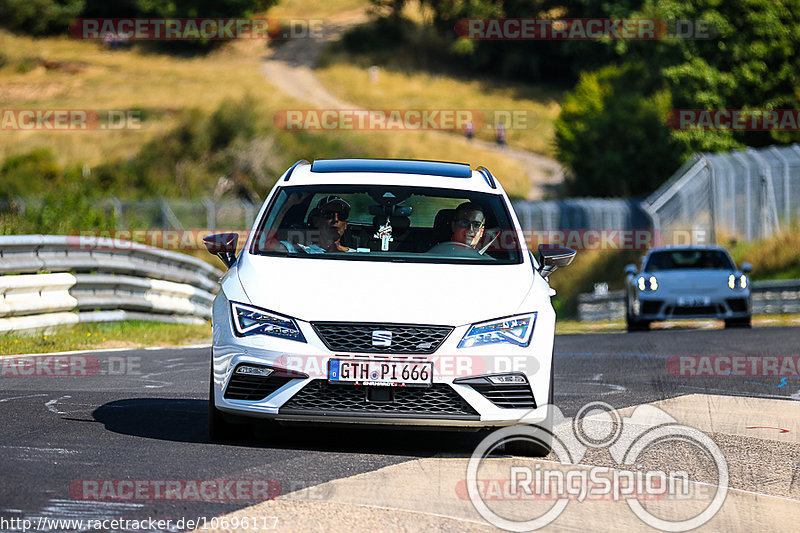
(488, 445)
(674, 434)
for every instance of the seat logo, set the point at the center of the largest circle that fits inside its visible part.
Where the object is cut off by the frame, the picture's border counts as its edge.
(381, 338)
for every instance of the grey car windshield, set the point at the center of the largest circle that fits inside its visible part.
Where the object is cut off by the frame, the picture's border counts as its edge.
(388, 223)
(689, 259)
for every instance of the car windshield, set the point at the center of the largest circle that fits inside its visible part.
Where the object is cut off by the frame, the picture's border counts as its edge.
(388, 223)
(684, 259)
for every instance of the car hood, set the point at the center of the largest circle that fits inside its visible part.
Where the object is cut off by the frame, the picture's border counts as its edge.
(691, 279)
(370, 291)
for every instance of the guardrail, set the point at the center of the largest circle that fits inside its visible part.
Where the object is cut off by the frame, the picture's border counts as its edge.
(769, 298)
(49, 280)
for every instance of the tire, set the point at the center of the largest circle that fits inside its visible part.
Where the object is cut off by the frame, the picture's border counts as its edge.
(745, 322)
(220, 429)
(636, 325)
(542, 447)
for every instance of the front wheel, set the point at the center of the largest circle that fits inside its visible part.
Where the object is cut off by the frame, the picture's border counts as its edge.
(542, 444)
(635, 325)
(744, 322)
(220, 429)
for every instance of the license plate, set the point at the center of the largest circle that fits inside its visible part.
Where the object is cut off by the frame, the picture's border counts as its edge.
(694, 301)
(381, 373)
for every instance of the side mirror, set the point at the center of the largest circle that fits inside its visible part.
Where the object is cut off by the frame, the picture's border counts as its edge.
(552, 257)
(630, 269)
(223, 245)
(747, 267)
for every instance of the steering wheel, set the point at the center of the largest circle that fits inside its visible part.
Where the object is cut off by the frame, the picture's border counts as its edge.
(454, 248)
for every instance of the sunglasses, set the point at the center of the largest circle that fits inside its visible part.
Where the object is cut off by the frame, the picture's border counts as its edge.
(474, 224)
(329, 214)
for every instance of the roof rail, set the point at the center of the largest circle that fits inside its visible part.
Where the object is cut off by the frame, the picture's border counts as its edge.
(291, 169)
(487, 176)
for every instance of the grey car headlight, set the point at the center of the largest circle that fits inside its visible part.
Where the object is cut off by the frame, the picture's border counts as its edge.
(515, 330)
(737, 282)
(249, 320)
(647, 284)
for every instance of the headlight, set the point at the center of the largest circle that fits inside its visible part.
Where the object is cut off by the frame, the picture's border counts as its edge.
(248, 320)
(739, 282)
(515, 330)
(645, 284)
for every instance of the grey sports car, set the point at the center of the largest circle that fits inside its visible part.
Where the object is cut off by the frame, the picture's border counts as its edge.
(687, 282)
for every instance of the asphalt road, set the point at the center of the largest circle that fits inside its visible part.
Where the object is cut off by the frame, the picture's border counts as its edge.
(141, 415)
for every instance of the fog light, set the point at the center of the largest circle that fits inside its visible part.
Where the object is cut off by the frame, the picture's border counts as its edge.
(507, 378)
(254, 371)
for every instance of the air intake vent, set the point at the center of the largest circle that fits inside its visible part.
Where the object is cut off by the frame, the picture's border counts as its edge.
(253, 388)
(322, 398)
(507, 395)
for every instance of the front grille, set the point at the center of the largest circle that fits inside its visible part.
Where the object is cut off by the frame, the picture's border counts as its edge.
(511, 395)
(695, 311)
(253, 388)
(737, 305)
(320, 397)
(651, 307)
(357, 337)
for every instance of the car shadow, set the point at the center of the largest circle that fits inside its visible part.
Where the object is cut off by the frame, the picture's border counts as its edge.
(186, 420)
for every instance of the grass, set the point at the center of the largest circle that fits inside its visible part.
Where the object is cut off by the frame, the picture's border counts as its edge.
(314, 9)
(777, 257)
(348, 78)
(129, 334)
(163, 86)
(573, 327)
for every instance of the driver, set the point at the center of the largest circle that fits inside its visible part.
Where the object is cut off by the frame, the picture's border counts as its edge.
(329, 219)
(468, 224)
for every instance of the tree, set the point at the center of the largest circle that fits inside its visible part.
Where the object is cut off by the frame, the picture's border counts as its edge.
(612, 134)
(39, 17)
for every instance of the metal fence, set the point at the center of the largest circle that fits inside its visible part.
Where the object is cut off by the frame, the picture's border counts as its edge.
(582, 213)
(750, 194)
(768, 297)
(49, 280)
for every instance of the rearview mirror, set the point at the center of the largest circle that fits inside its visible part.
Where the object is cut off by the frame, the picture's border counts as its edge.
(630, 269)
(223, 245)
(747, 267)
(552, 257)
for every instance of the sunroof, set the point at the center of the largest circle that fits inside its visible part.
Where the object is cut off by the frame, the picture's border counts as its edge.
(433, 168)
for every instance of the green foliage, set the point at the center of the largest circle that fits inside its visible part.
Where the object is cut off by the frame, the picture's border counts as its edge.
(69, 207)
(612, 126)
(46, 17)
(612, 133)
(30, 173)
(39, 17)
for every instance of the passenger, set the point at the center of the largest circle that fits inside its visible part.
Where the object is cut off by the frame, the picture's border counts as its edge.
(468, 224)
(329, 220)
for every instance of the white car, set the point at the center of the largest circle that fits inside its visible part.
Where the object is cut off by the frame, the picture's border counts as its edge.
(687, 282)
(384, 292)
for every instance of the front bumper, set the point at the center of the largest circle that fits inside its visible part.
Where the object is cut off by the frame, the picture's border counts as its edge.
(654, 307)
(298, 391)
